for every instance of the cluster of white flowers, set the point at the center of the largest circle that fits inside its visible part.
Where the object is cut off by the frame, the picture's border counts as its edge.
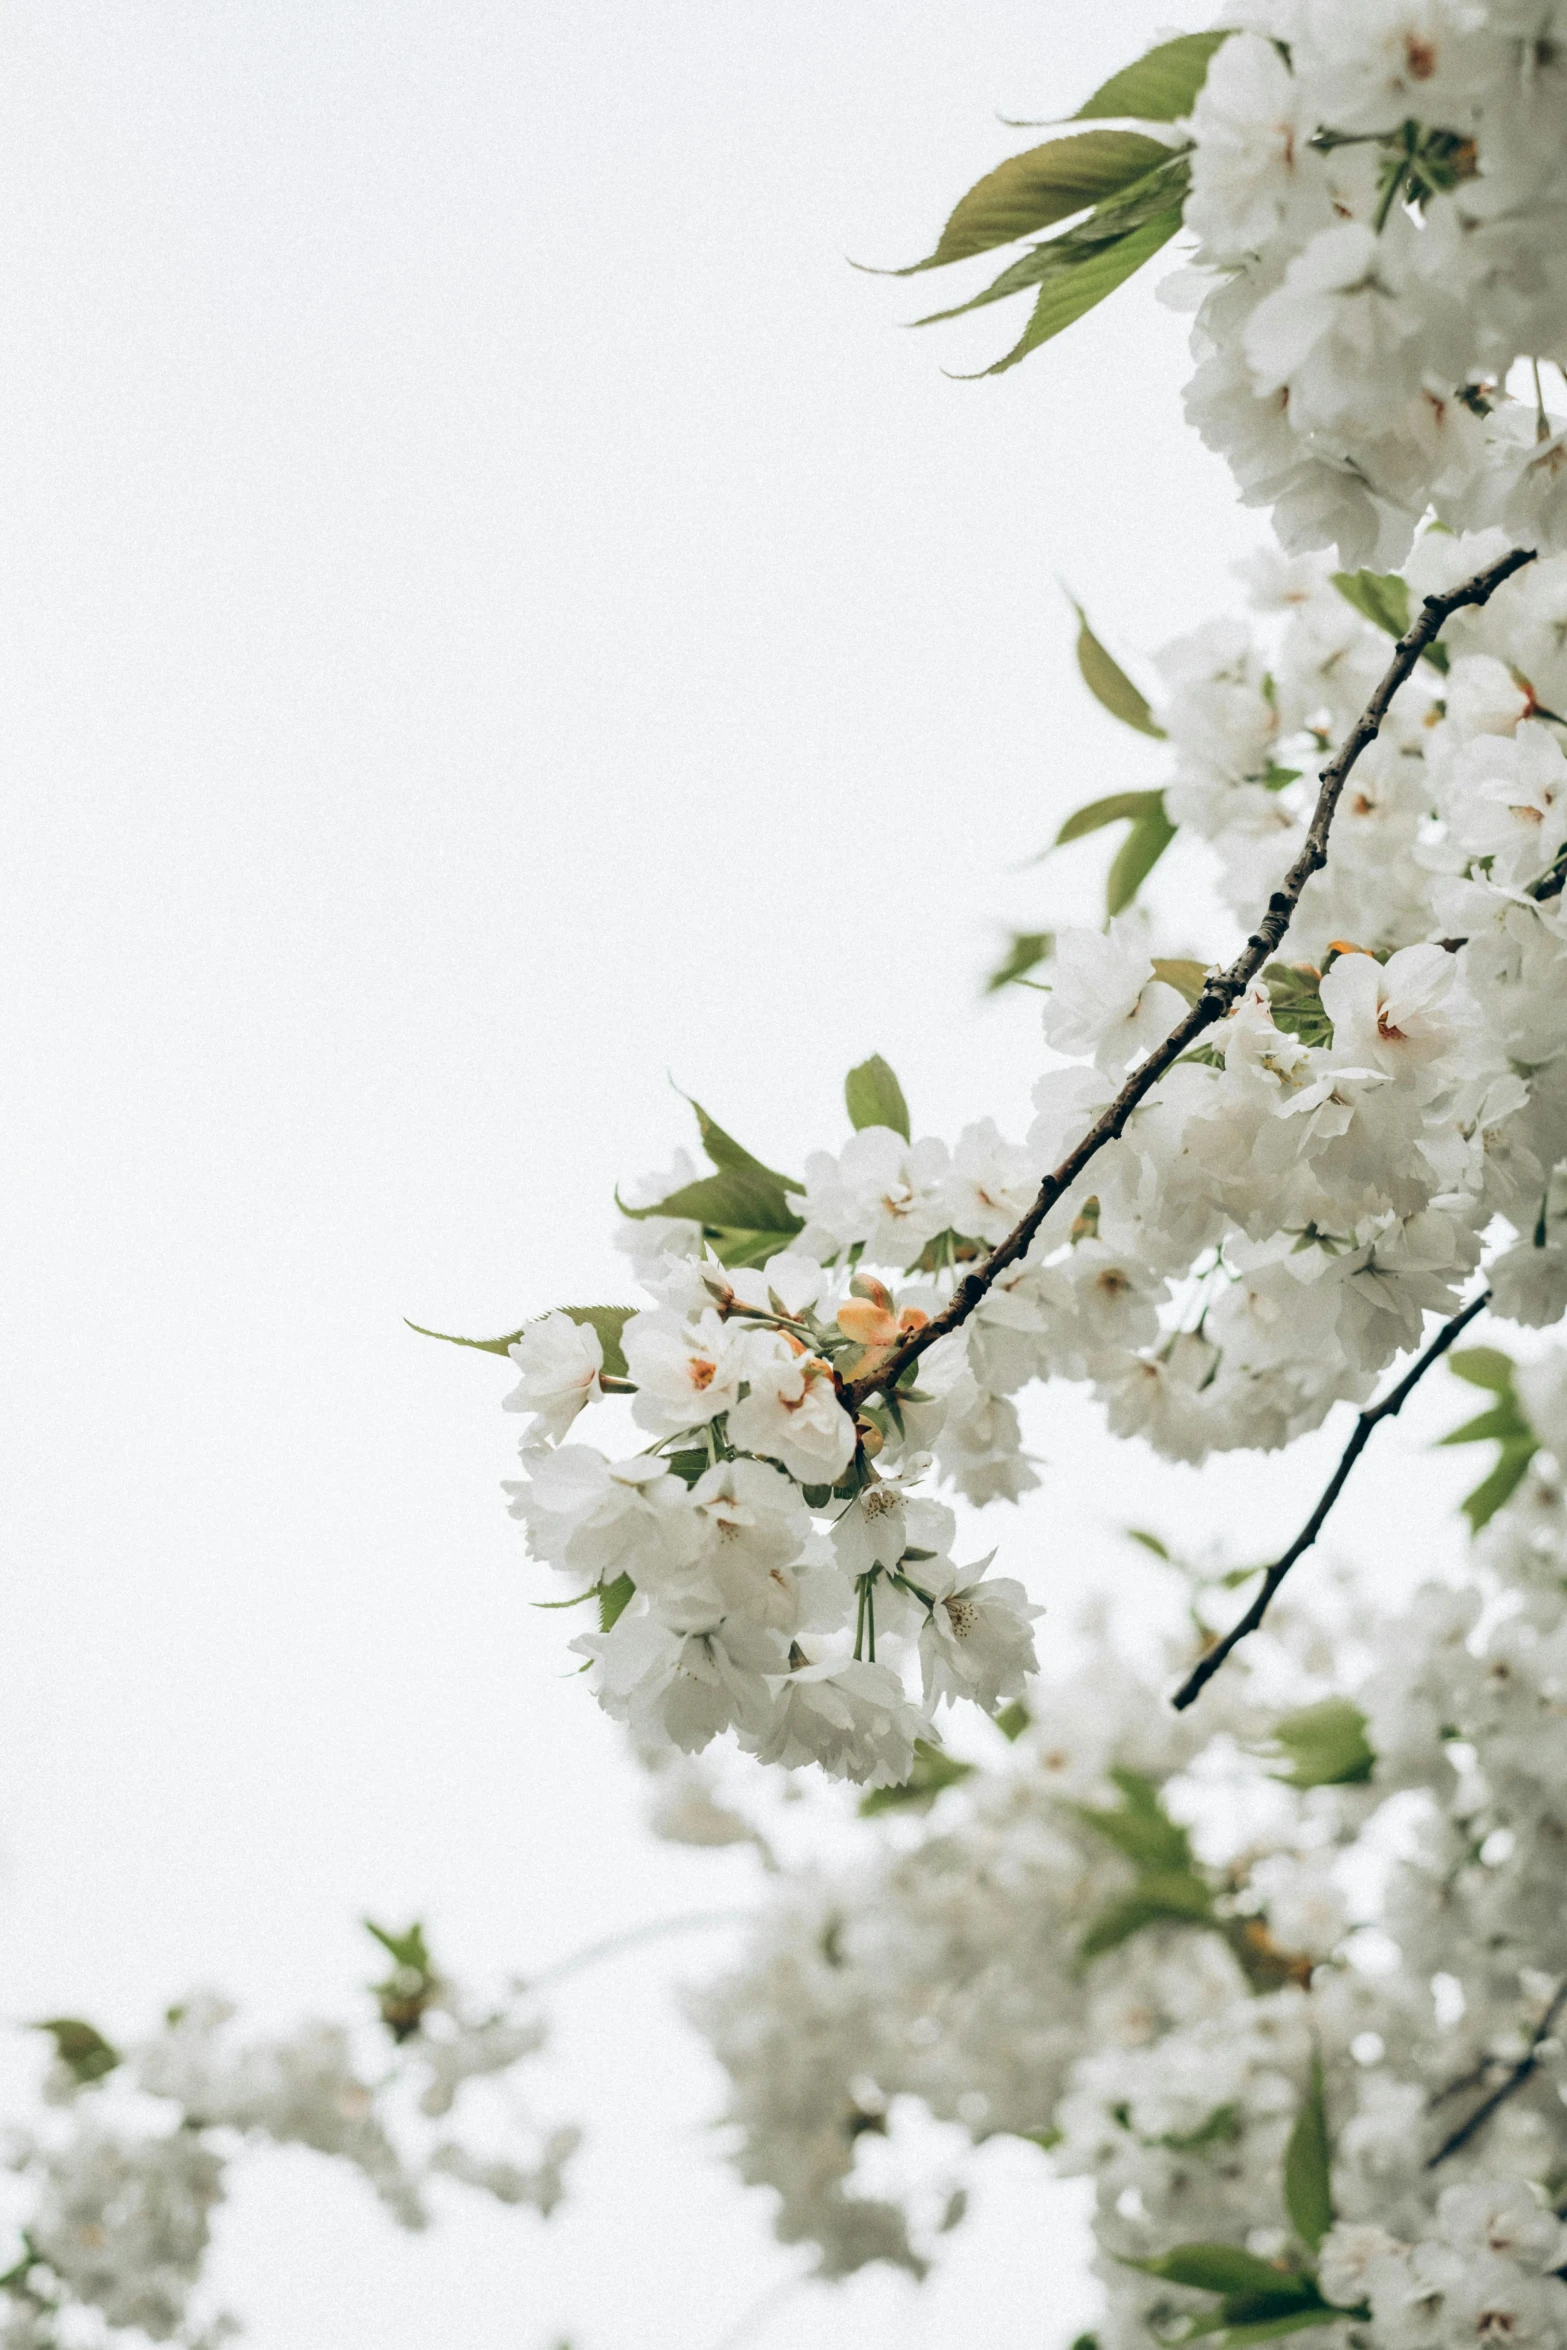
(114, 2184)
(1380, 1116)
(1379, 188)
(1290, 1987)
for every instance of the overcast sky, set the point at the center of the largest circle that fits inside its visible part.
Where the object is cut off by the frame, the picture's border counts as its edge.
(496, 614)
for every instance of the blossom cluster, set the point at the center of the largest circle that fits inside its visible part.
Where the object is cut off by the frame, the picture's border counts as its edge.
(1377, 191)
(1287, 1985)
(1376, 1123)
(113, 2186)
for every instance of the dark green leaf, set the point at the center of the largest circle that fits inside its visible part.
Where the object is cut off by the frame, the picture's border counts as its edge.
(1161, 87)
(1153, 1901)
(1013, 1719)
(608, 1321)
(1037, 189)
(1378, 596)
(1187, 976)
(1292, 2321)
(1326, 1744)
(1222, 2128)
(1137, 856)
(1028, 948)
(1119, 808)
(1308, 2186)
(1484, 1366)
(614, 1599)
(1108, 682)
(932, 1771)
(875, 1098)
(724, 1151)
(81, 2048)
(1224, 2268)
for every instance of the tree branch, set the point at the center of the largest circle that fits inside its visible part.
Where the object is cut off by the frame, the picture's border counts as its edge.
(1506, 2088)
(1390, 1406)
(1221, 991)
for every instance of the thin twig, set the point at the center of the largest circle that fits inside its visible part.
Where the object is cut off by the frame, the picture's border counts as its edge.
(1220, 992)
(1390, 1406)
(1515, 2080)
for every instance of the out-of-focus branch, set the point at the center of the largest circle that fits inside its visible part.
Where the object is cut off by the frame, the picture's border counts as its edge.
(1508, 2086)
(1221, 992)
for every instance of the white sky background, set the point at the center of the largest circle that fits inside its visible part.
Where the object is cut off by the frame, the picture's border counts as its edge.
(493, 614)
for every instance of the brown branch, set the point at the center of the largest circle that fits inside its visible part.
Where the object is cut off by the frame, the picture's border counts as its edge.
(1392, 1404)
(1521, 2071)
(1220, 992)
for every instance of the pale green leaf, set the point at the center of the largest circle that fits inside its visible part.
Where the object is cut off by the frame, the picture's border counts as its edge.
(1036, 189)
(1028, 948)
(1161, 87)
(1067, 295)
(1137, 856)
(1308, 2186)
(1325, 1745)
(933, 1770)
(1484, 1366)
(1108, 682)
(608, 1321)
(1120, 807)
(614, 1599)
(724, 1151)
(875, 1098)
(1184, 973)
(1378, 596)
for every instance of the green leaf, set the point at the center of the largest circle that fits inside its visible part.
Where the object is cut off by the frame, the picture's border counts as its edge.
(875, 1098)
(742, 1211)
(1222, 2128)
(1117, 809)
(1504, 1424)
(1308, 2186)
(1140, 1826)
(1086, 276)
(1161, 87)
(608, 1321)
(1484, 1366)
(81, 2048)
(408, 1949)
(1187, 976)
(932, 1771)
(1013, 1720)
(1225, 2268)
(1295, 1000)
(614, 1599)
(1137, 856)
(1378, 596)
(724, 1151)
(1037, 189)
(1028, 948)
(1382, 597)
(1154, 1901)
(1161, 1550)
(1326, 1743)
(1488, 1496)
(1295, 2321)
(1108, 682)
(1154, 197)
